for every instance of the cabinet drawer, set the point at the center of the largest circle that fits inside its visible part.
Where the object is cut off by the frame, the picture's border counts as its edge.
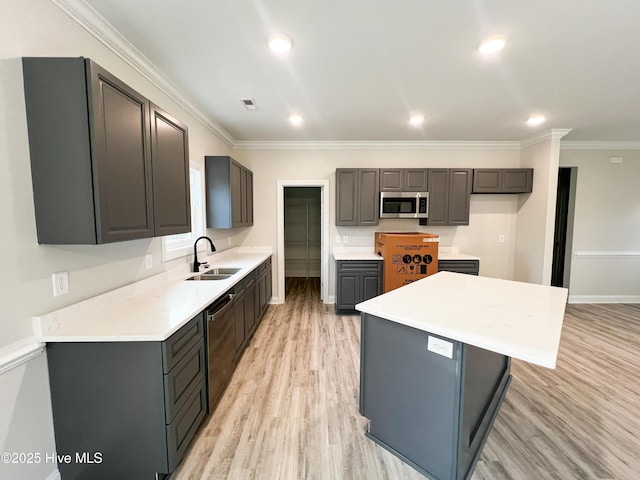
(181, 342)
(359, 266)
(184, 427)
(471, 267)
(180, 382)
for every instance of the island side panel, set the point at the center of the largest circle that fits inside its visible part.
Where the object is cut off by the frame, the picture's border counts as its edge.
(410, 395)
(486, 377)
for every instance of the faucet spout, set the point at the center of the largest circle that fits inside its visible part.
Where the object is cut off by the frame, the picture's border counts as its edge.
(196, 263)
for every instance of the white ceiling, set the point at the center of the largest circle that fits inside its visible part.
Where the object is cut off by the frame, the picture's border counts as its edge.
(358, 68)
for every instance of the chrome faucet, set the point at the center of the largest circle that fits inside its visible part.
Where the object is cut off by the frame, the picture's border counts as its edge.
(196, 263)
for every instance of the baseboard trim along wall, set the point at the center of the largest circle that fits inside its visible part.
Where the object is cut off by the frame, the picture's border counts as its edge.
(19, 352)
(604, 298)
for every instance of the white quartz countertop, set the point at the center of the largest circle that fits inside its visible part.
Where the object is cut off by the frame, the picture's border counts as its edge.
(520, 320)
(445, 255)
(356, 255)
(152, 314)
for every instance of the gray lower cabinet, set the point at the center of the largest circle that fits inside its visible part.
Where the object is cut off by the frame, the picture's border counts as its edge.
(229, 193)
(134, 406)
(471, 267)
(502, 180)
(449, 197)
(251, 300)
(356, 281)
(357, 196)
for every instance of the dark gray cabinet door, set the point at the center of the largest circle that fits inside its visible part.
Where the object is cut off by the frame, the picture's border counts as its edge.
(459, 196)
(346, 196)
(449, 196)
(238, 211)
(238, 313)
(391, 179)
(415, 179)
(170, 161)
(349, 290)
(438, 197)
(519, 180)
(370, 286)
(356, 281)
(90, 154)
(487, 180)
(121, 158)
(368, 197)
(248, 197)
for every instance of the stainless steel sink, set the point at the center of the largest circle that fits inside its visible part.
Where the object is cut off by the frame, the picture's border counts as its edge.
(215, 274)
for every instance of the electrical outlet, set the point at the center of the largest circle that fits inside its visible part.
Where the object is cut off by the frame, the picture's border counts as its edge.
(501, 238)
(338, 239)
(60, 283)
(148, 261)
(345, 239)
(440, 346)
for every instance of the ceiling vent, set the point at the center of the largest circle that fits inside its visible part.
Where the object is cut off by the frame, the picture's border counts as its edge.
(248, 103)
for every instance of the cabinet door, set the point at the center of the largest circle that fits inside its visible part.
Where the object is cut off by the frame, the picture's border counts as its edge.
(369, 286)
(121, 158)
(487, 180)
(368, 197)
(459, 196)
(248, 196)
(170, 160)
(517, 180)
(238, 314)
(347, 290)
(438, 196)
(249, 311)
(236, 179)
(415, 179)
(391, 180)
(346, 196)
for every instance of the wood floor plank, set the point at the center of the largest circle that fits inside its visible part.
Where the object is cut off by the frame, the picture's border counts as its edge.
(291, 409)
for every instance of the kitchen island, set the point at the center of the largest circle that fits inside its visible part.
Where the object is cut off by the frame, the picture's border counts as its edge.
(435, 363)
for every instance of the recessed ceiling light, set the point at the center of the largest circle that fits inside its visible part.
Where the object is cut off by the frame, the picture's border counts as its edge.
(280, 43)
(295, 119)
(491, 45)
(416, 120)
(534, 120)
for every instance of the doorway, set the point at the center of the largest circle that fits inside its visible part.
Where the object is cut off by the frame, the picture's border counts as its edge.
(563, 234)
(303, 235)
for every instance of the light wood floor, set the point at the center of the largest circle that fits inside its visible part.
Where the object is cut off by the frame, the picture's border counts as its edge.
(291, 409)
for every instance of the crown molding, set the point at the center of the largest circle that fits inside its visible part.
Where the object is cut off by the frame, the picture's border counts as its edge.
(622, 145)
(435, 145)
(554, 134)
(89, 19)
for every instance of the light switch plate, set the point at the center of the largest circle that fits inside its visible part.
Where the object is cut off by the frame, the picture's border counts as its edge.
(440, 346)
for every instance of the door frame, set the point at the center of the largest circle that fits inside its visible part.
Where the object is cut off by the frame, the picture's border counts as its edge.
(324, 234)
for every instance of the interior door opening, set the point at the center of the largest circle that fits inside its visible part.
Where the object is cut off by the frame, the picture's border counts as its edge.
(302, 237)
(563, 234)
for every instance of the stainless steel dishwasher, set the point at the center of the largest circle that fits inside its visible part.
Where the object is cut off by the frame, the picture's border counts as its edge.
(221, 347)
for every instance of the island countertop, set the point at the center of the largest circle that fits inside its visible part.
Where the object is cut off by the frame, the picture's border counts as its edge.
(520, 320)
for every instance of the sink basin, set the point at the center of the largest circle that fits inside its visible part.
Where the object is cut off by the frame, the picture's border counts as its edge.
(222, 271)
(210, 276)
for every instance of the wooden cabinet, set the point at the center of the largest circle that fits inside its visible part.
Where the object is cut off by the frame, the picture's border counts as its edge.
(449, 197)
(357, 196)
(106, 165)
(229, 193)
(403, 179)
(356, 281)
(170, 162)
(139, 404)
(470, 267)
(502, 180)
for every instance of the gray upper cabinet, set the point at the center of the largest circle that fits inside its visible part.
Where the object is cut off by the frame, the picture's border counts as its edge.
(357, 196)
(170, 161)
(90, 153)
(502, 180)
(449, 196)
(403, 179)
(229, 193)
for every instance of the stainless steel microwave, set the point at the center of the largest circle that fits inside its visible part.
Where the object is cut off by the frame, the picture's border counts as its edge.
(404, 204)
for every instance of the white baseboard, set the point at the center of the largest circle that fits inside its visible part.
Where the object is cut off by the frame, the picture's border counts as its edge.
(55, 475)
(604, 298)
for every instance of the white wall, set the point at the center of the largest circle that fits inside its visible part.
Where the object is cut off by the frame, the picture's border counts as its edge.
(491, 215)
(39, 28)
(605, 256)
